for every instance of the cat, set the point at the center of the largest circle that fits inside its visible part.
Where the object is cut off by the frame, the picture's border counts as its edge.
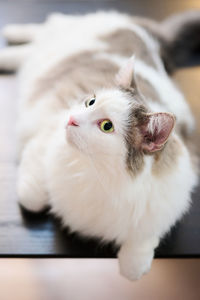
(103, 131)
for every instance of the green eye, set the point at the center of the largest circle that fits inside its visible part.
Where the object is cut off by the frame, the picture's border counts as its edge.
(106, 126)
(90, 102)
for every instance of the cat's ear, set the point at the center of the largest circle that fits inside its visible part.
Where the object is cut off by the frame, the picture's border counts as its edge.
(125, 77)
(156, 130)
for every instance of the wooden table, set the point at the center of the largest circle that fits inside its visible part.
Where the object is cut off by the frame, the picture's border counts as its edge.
(23, 234)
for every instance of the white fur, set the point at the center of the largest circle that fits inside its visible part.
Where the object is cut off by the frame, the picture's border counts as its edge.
(81, 171)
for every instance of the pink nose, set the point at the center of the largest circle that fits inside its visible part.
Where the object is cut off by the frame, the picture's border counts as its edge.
(72, 122)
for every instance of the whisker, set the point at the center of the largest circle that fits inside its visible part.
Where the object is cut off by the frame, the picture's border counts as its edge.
(72, 163)
(78, 174)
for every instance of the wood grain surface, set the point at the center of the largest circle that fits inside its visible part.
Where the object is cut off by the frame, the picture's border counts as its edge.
(24, 234)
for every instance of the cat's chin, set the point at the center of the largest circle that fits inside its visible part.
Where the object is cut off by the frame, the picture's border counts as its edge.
(71, 139)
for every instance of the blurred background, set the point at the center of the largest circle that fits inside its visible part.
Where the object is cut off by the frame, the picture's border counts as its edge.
(76, 279)
(96, 279)
(36, 10)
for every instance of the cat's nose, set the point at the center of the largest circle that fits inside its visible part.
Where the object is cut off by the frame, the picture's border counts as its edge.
(72, 122)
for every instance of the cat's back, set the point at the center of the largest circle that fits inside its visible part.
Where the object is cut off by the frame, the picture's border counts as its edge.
(76, 54)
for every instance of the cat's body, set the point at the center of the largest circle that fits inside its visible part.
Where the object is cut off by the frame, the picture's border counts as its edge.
(129, 185)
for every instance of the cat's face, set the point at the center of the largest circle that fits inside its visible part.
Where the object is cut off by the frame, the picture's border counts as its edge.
(98, 125)
(115, 123)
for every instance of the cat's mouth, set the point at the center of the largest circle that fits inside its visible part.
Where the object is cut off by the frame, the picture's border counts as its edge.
(73, 135)
(75, 139)
(70, 134)
(70, 128)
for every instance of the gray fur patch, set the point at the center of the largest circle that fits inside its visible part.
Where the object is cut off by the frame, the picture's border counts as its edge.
(126, 42)
(133, 136)
(147, 90)
(76, 76)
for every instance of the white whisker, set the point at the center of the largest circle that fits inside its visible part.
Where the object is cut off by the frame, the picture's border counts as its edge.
(78, 174)
(72, 163)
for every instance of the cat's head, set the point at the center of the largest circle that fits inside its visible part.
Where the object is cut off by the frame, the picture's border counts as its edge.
(115, 123)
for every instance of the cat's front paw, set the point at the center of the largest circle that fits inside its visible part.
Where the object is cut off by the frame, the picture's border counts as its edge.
(135, 266)
(31, 195)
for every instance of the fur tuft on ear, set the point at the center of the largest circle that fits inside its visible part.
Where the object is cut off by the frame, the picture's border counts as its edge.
(156, 130)
(125, 77)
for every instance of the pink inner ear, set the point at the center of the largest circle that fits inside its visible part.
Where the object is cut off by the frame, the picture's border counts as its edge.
(157, 131)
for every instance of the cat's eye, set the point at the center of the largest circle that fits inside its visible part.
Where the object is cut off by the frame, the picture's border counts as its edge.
(106, 126)
(90, 102)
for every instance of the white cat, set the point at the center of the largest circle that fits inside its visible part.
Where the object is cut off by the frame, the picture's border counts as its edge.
(96, 131)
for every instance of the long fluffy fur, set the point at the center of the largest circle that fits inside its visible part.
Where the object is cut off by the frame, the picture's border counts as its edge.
(82, 172)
